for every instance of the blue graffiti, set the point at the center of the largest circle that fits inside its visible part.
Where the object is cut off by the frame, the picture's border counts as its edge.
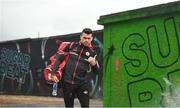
(14, 65)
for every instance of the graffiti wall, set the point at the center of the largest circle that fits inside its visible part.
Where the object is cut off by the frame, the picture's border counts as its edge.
(22, 63)
(141, 56)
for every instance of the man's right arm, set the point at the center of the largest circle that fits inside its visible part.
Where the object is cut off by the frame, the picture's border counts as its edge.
(58, 61)
(59, 56)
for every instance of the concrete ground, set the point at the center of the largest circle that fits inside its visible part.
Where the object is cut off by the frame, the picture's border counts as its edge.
(39, 101)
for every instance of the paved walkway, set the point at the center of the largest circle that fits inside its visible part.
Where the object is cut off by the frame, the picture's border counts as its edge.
(39, 101)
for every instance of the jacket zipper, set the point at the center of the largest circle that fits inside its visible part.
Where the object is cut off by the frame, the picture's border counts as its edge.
(74, 73)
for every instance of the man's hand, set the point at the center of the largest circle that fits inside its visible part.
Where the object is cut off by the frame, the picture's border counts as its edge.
(54, 78)
(92, 60)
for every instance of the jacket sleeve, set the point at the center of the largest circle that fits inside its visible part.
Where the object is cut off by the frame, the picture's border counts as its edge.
(57, 58)
(96, 69)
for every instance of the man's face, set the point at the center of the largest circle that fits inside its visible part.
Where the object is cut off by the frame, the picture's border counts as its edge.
(86, 39)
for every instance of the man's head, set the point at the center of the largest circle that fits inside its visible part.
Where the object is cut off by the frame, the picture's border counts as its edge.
(86, 37)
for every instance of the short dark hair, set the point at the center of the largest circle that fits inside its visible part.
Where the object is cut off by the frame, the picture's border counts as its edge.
(87, 31)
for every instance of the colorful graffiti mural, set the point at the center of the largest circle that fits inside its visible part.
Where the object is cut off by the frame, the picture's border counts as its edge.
(22, 63)
(141, 56)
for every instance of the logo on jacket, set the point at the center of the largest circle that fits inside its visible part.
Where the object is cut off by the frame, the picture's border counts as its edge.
(85, 92)
(87, 53)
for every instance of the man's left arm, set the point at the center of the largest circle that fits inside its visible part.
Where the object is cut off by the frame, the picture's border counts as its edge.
(94, 64)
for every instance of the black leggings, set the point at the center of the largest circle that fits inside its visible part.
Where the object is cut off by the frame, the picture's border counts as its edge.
(70, 91)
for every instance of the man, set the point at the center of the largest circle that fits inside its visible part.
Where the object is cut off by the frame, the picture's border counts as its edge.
(79, 57)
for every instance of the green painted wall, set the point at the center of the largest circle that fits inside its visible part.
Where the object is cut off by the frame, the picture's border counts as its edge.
(141, 56)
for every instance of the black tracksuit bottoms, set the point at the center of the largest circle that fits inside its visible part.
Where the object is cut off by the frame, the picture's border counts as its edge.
(70, 91)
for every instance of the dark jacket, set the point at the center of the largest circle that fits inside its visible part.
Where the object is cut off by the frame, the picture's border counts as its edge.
(77, 64)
